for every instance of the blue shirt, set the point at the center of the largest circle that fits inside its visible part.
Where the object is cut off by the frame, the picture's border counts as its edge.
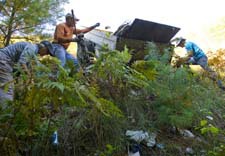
(197, 52)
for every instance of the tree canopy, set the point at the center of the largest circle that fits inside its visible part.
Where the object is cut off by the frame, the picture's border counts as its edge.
(28, 16)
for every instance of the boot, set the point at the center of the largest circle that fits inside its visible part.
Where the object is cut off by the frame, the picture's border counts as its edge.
(220, 85)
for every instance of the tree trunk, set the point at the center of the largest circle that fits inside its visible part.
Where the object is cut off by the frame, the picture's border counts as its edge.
(9, 33)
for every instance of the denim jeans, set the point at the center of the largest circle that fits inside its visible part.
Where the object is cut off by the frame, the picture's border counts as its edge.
(203, 62)
(61, 53)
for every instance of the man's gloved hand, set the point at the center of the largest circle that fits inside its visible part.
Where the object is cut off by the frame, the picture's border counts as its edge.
(94, 26)
(81, 35)
(78, 37)
(97, 24)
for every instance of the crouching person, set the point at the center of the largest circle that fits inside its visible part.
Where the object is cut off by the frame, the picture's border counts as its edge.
(19, 53)
(196, 56)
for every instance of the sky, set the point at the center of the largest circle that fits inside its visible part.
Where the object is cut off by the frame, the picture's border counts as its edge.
(192, 16)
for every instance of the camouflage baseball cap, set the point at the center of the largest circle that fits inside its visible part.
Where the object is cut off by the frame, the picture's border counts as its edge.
(49, 46)
(69, 15)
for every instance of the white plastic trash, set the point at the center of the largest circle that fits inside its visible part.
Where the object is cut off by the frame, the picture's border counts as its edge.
(134, 154)
(55, 138)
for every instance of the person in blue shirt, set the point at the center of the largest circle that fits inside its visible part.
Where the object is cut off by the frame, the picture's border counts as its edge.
(196, 56)
(20, 54)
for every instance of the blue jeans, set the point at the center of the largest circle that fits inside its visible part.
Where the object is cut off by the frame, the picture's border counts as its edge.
(203, 62)
(61, 53)
(72, 58)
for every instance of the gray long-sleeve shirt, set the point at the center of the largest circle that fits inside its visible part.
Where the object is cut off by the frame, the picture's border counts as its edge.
(19, 52)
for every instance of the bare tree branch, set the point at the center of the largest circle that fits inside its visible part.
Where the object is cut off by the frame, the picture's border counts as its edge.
(1, 28)
(18, 29)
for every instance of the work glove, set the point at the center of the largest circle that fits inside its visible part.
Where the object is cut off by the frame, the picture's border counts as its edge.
(78, 37)
(94, 26)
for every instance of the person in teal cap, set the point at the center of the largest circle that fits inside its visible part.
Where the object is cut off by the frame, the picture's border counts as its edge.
(194, 55)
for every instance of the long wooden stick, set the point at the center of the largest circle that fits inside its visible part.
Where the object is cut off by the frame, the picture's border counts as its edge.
(74, 22)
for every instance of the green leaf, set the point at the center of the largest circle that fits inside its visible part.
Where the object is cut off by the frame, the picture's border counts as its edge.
(214, 130)
(204, 130)
(203, 122)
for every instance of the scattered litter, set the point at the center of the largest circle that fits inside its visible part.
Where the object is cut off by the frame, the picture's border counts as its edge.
(189, 150)
(134, 150)
(209, 117)
(151, 140)
(133, 154)
(139, 136)
(55, 138)
(186, 133)
(160, 146)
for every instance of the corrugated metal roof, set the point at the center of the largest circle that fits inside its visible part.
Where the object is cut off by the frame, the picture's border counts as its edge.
(147, 31)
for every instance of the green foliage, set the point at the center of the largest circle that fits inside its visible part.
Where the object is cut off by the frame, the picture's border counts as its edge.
(48, 90)
(113, 64)
(162, 53)
(92, 110)
(114, 77)
(208, 128)
(146, 68)
(173, 90)
(108, 151)
(217, 151)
